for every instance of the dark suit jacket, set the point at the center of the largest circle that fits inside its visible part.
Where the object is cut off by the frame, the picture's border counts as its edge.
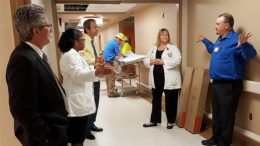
(36, 102)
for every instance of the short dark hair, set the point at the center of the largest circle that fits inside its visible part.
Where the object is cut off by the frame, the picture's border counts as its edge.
(68, 38)
(86, 24)
(228, 18)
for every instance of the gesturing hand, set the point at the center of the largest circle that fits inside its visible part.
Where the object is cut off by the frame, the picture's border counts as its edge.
(99, 60)
(199, 38)
(243, 38)
(102, 70)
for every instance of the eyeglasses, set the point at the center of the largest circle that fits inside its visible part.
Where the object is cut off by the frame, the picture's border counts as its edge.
(81, 39)
(46, 25)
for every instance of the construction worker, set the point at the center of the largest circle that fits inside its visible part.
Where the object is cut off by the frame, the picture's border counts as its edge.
(111, 50)
(126, 45)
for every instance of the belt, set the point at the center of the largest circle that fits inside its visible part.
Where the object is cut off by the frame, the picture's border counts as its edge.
(227, 81)
(110, 62)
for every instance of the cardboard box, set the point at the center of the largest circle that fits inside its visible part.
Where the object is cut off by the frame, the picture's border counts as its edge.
(197, 100)
(184, 97)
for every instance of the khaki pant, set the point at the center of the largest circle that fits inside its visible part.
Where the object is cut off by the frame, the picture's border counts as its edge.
(110, 81)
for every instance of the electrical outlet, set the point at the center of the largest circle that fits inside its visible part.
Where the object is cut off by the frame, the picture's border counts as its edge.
(250, 116)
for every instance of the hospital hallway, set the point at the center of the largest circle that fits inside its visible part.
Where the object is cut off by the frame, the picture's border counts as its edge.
(122, 119)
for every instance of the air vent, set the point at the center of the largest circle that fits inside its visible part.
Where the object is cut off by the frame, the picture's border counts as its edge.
(75, 7)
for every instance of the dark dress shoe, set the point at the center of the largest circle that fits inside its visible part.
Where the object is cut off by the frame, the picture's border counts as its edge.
(96, 129)
(90, 136)
(150, 125)
(170, 127)
(210, 142)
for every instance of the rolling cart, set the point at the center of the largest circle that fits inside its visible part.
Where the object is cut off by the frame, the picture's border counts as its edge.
(129, 59)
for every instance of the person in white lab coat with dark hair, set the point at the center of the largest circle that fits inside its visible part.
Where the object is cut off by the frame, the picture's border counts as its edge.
(78, 76)
(163, 59)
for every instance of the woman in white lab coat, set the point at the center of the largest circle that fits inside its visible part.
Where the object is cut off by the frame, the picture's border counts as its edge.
(77, 82)
(163, 59)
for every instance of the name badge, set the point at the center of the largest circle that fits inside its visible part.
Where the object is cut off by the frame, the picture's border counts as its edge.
(170, 54)
(216, 49)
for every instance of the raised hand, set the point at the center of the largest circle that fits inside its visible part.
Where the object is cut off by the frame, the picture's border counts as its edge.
(99, 60)
(102, 70)
(199, 38)
(243, 38)
(108, 70)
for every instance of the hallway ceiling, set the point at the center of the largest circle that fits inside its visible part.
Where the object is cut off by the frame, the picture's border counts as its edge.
(110, 13)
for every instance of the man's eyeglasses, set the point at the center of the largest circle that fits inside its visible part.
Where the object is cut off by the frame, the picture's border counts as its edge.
(81, 39)
(46, 25)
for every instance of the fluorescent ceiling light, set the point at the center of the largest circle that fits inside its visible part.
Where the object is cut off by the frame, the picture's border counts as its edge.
(121, 8)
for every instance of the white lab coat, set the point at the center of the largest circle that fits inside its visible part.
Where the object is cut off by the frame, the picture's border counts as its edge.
(171, 66)
(77, 82)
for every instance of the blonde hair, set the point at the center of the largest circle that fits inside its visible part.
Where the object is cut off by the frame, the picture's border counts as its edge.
(158, 36)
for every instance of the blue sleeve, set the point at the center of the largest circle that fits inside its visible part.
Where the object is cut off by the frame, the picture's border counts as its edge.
(209, 45)
(248, 51)
(117, 50)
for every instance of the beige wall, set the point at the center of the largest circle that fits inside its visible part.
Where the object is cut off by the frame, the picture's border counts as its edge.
(201, 19)
(7, 137)
(147, 24)
(108, 34)
(49, 49)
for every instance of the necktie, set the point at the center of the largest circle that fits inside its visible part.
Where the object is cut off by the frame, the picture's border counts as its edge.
(44, 57)
(94, 49)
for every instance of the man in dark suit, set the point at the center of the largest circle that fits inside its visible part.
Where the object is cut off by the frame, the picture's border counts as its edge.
(35, 95)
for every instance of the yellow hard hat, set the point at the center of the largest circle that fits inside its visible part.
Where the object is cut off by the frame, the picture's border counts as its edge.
(125, 38)
(120, 36)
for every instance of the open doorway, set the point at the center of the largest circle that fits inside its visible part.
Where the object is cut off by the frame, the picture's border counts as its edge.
(126, 26)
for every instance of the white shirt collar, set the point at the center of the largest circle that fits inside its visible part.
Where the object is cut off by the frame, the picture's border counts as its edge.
(35, 48)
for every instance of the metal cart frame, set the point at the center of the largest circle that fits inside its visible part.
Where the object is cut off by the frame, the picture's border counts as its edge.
(121, 75)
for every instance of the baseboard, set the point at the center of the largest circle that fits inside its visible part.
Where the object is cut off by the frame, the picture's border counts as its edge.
(241, 135)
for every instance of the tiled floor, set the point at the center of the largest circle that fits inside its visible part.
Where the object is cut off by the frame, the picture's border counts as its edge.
(122, 119)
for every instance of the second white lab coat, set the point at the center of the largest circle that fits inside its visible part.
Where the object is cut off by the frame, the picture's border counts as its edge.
(172, 58)
(77, 82)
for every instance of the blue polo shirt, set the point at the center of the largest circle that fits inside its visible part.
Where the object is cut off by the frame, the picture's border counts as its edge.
(227, 60)
(110, 51)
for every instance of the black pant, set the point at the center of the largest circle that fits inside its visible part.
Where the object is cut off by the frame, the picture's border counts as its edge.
(77, 129)
(171, 100)
(224, 105)
(92, 117)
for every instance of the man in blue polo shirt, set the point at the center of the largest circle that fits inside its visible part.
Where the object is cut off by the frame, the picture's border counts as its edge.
(226, 69)
(110, 52)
